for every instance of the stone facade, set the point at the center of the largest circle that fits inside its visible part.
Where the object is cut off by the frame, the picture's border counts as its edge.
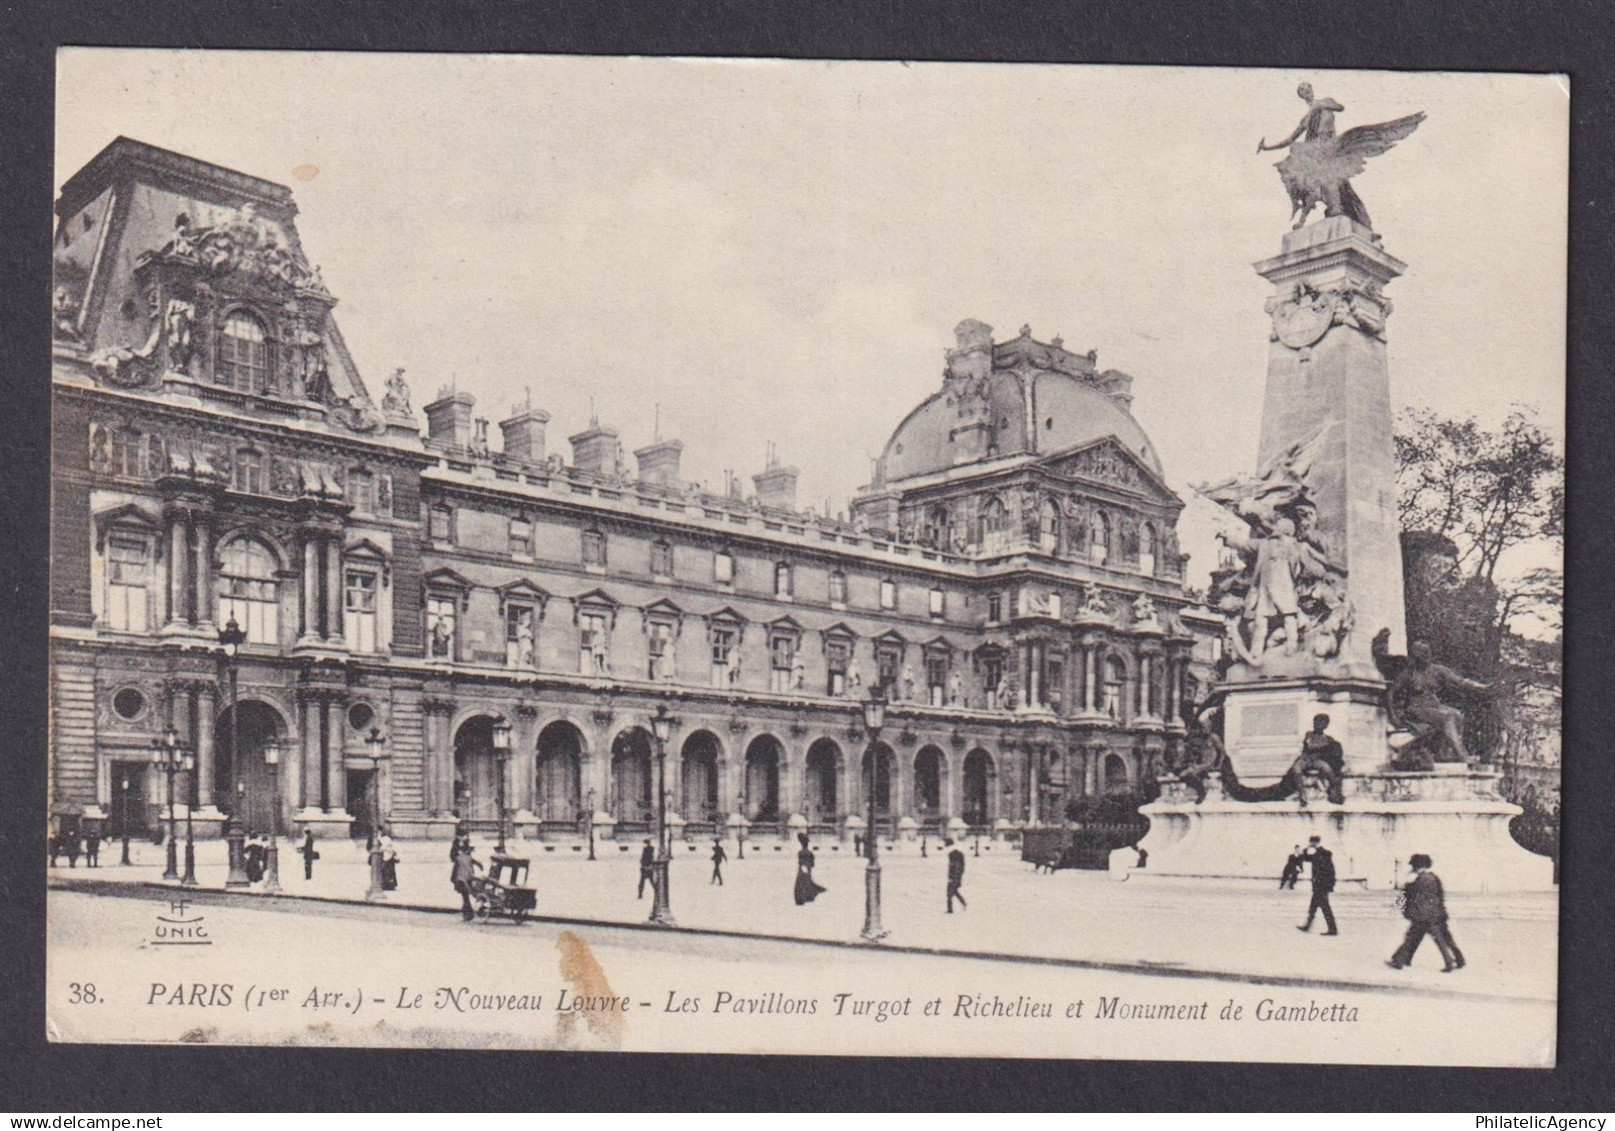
(218, 456)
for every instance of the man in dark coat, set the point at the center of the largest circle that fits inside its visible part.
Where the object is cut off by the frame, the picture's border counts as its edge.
(310, 854)
(956, 876)
(1321, 863)
(465, 867)
(1292, 870)
(1424, 906)
(647, 869)
(718, 857)
(92, 847)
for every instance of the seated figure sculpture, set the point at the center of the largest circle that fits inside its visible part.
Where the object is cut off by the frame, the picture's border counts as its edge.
(1414, 704)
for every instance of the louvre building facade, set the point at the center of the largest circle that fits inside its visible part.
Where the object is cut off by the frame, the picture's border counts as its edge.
(1010, 578)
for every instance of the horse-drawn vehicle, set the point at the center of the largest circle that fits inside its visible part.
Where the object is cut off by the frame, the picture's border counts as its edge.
(503, 892)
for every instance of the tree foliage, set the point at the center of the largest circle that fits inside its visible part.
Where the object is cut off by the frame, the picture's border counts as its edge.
(1486, 489)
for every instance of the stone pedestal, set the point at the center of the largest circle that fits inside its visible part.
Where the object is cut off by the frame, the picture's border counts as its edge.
(1454, 815)
(1263, 724)
(327, 825)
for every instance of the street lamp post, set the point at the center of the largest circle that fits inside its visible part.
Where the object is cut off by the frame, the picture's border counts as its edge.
(661, 726)
(166, 756)
(125, 787)
(740, 829)
(189, 879)
(378, 891)
(874, 719)
(272, 760)
(231, 637)
(501, 753)
(590, 819)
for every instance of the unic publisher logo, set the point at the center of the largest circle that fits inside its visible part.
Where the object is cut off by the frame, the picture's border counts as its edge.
(175, 929)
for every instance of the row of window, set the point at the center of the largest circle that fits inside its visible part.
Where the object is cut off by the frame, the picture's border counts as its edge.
(594, 547)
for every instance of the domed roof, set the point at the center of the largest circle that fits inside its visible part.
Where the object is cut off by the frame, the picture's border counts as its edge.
(1013, 398)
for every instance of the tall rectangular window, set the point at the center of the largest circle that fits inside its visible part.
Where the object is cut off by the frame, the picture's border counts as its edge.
(128, 583)
(521, 538)
(936, 678)
(992, 675)
(659, 647)
(362, 492)
(359, 591)
(888, 662)
(995, 608)
(723, 567)
(837, 655)
(782, 658)
(594, 657)
(1056, 606)
(594, 549)
(661, 559)
(888, 594)
(782, 579)
(442, 613)
(250, 478)
(725, 664)
(1054, 681)
(520, 636)
(838, 588)
(938, 603)
(442, 524)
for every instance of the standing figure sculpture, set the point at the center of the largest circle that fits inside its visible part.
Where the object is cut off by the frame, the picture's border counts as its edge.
(1320, 165)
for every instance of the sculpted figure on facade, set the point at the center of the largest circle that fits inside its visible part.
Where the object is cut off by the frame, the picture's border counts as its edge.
(1415, 703)
(64, 313)
(1320, 165)
(1144, 613)
(177, 324)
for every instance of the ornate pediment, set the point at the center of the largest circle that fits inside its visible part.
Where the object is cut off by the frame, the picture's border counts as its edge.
(242, 242)
(1110, 462)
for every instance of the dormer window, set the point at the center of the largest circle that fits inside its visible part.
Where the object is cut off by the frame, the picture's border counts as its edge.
(243, 353)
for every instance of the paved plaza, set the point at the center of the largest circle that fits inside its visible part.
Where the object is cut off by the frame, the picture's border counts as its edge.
(1243, 931)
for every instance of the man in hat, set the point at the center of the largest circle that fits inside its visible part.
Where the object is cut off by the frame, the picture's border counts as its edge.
(1321, 865)
(718, 857)
(647, 869)
(956, 875)
(1424, 906)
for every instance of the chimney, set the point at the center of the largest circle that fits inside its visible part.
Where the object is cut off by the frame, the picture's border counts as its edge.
(776, 485)
(524, 434)
(596, 449)
(448, 419)
(659, 463)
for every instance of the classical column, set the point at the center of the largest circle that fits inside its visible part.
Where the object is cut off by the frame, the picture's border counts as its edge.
(177, 562)
(308, 616)
(336, 773)
(524, 759)
(333, 588)
(1096, 757)
(206, 703)
(308, 709)
(439, 761)
(1144, 685)
(203, 574)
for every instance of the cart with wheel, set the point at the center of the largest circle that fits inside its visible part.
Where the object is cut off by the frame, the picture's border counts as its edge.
(503, 893)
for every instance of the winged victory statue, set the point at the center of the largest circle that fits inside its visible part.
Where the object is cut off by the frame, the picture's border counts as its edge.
(1320, 164)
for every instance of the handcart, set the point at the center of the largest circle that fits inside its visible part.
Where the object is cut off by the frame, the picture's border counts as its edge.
(503, 892)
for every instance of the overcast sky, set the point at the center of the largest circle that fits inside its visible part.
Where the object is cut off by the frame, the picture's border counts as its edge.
(780, 250)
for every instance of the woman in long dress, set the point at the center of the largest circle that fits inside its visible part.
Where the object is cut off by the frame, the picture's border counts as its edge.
(806, 890)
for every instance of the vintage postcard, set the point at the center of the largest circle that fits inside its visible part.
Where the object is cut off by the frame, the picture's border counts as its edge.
(806, 557)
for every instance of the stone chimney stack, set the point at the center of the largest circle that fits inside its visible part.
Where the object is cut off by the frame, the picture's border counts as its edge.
(524, 434)
(776, 485)
(596, 450)
(448, 419)
(659, 463)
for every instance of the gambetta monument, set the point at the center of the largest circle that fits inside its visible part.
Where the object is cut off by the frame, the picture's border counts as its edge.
(1311, 591)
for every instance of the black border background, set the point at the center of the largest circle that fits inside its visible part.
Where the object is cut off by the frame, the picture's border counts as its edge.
(1577, 38)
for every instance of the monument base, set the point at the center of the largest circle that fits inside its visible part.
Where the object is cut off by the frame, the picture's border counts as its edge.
(1453, 815)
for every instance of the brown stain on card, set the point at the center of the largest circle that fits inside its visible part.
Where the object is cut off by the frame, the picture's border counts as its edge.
(306, 172)
(586, 978)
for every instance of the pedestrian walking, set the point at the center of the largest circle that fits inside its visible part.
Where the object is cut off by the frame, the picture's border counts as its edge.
(1292, 869)
(1424, 906)
(807, 889)
(956, 874)
(55, 849)
(310, 854)
(647, 870)
(389, 862)
(718, 857)
(92, 848)
(1321, 865)
(464, 870)
(254, 859)
(75, 846)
